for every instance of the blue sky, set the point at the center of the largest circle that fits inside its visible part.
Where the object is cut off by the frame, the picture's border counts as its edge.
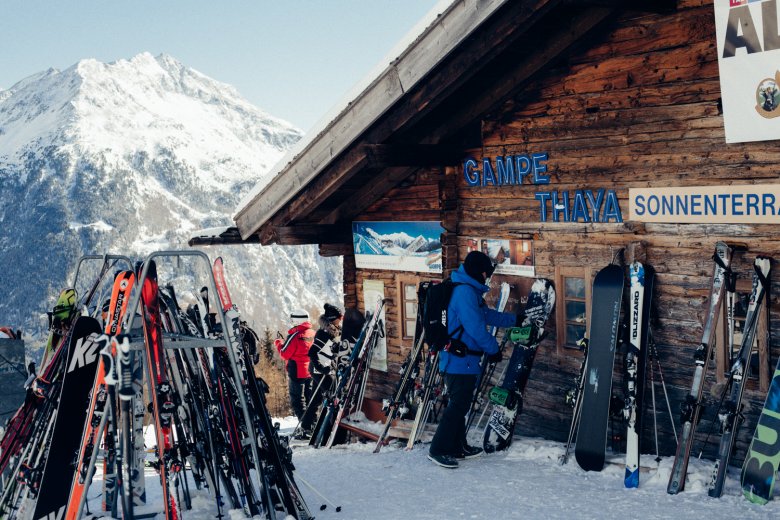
(292, 58)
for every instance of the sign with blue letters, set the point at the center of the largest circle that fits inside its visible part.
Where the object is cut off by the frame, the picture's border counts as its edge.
(587, 206)
(748, 204)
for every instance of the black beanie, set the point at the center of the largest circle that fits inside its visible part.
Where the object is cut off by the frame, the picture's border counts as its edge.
(332, 312)
(477, 263)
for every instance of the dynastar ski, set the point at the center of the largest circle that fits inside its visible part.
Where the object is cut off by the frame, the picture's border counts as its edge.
(691, 408)
(96, 414)
(730, 415)
(590, 448)
(641, 279)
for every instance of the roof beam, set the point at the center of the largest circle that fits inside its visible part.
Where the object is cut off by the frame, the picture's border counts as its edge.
(314, 234)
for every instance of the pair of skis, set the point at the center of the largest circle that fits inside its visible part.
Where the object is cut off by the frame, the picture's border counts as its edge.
(730, 414)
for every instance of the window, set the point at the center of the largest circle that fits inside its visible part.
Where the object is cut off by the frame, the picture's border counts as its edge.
(573, 307)
(407, 296)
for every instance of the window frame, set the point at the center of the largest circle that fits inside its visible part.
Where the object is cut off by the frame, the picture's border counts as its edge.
(561, 274)
(402, 282)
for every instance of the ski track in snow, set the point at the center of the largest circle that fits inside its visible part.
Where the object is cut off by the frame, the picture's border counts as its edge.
(524, 482)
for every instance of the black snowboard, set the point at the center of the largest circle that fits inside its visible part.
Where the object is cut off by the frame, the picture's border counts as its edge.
(590, 449)
(83, 354)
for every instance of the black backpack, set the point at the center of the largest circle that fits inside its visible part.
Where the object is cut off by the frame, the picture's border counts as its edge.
(436, 298)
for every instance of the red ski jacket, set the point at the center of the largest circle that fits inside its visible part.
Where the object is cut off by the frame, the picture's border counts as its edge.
(295, 349)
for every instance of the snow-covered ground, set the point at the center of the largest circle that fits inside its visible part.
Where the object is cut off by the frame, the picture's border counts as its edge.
(524, 482)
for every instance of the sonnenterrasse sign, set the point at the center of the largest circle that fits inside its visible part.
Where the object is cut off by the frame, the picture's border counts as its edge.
(747, 204)
(749, 63)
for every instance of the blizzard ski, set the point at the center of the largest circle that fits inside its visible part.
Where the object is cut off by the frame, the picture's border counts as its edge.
(507, 399)
(641, 279)
(730, 415)
(590, 448)
(691, 408)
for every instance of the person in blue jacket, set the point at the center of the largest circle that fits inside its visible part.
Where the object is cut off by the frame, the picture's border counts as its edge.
(469, 317)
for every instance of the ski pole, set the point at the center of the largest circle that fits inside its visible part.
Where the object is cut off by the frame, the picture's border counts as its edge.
(306, 411)
(314, 490)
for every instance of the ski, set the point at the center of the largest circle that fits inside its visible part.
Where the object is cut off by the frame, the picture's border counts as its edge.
(276, 464)
(507, 399)
(641, 279)
(159, 387)
(590, 448)
(730, 415)
(95, 423)
(397, 404)
(691, 408)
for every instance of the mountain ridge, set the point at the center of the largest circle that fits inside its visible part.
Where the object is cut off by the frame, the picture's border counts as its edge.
(131, 157)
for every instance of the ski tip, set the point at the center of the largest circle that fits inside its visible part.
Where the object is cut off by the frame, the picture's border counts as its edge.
(631, 479)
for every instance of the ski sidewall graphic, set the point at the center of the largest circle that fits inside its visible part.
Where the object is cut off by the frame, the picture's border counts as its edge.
(83, 355)
(590, 448)
(763, 457)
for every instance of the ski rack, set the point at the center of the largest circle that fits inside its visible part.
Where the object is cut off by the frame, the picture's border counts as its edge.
(105, 258)
(136, 342)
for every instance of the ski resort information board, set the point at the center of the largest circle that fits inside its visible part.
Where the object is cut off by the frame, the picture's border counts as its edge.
(748, 54)
(511, 257)
(398, 246)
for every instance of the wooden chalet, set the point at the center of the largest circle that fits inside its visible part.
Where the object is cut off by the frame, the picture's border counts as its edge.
(588, 99)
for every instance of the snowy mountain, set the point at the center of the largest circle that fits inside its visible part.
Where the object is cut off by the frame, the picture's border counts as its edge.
(131, 157)
(392, 243)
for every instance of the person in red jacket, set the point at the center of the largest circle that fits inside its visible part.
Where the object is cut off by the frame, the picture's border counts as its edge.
(295, 351)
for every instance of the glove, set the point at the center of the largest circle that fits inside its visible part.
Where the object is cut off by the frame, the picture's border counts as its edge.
(495, 358)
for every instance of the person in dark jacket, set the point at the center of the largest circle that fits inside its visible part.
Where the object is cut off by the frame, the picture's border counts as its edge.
(322, 356)
(468, 318)
(295, 351)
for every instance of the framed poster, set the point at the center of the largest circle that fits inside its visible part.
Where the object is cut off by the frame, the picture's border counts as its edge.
(512, 257)
(398, 246)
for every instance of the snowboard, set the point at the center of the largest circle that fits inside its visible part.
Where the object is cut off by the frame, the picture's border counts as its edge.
(507, 398)
(642, 279)
(590, 448)
(763, 457)
(83, 349)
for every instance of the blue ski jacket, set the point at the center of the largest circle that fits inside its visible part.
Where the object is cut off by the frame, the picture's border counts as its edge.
(468, 308)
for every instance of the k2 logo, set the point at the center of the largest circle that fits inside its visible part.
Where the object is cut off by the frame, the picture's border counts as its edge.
(86, 351)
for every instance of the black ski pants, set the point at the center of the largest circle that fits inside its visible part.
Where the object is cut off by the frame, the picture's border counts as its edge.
(451, 433)
(322, 383)
(300, 390)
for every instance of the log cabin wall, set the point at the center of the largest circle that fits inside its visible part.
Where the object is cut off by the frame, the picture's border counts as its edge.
(417, 199)
(640, 107)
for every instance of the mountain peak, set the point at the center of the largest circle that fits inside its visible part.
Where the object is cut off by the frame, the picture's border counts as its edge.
(142, 106)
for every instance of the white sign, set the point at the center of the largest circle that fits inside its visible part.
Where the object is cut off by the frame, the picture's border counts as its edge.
(749, 64)
(373, 293)
(748, 204)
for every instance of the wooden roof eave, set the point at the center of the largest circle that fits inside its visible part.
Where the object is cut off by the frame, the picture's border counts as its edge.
(453, 26)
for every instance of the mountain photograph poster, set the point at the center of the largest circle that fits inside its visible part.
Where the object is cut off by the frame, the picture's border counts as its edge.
(398, 246)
